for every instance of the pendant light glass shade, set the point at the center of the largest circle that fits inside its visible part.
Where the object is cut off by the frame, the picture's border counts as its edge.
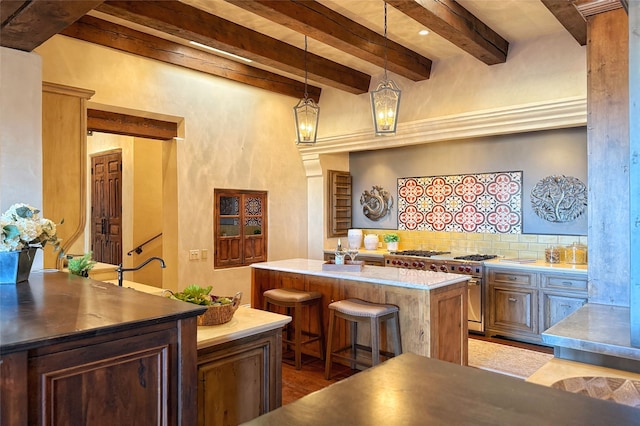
(306, 113)
(385, 100)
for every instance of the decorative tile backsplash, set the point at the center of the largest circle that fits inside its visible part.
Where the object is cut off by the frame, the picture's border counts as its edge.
(483, 203)
(507, 245)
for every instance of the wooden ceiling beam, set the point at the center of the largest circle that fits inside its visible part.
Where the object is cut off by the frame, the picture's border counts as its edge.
(459, 26)
(26, 24)
(108, 34)
(125, 124)
(190, 23)
(570, 17)
(329, 27)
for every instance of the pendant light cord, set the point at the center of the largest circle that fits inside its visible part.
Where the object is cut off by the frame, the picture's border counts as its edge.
(385, 41)
(306, 94)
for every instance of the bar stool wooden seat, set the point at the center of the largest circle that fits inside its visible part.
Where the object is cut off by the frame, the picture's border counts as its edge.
(296, 300)
(356, 311)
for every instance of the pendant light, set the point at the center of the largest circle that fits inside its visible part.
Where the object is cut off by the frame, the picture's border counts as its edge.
(385, 100)
(306, 112)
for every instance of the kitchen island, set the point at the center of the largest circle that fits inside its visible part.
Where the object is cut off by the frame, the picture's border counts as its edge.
(433, 305)
(79, 351)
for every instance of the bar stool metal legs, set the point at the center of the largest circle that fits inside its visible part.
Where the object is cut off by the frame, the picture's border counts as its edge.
(355, 311)
(297, 300)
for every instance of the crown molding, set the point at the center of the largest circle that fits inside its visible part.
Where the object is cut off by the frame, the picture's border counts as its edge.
(555, 114)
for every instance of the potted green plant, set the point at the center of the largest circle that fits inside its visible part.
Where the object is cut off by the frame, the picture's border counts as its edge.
(392, 241)
(220, 309)
(81, 265)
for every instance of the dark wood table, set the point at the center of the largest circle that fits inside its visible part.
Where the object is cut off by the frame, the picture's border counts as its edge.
(414, 390)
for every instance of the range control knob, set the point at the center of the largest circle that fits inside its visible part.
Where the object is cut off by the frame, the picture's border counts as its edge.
(461, 268)
(467, 269)
(405, 264)
(432, 267)
(414, 264)
(421, 265)
(443, 268)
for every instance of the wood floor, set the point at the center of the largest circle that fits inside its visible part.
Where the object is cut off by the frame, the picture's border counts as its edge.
(298, 383)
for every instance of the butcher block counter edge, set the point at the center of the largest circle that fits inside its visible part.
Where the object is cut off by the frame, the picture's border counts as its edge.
(245, 322)
(399, 277)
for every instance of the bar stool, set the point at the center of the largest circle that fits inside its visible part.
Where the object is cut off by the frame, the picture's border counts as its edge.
(290, 298)
(355, 311)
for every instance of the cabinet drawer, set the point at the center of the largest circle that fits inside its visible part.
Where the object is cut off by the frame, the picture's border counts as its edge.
(556, 307)
(505, 277)
(514, 309)
(564, 282)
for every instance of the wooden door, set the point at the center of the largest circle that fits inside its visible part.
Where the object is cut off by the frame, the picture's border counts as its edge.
(106, 207)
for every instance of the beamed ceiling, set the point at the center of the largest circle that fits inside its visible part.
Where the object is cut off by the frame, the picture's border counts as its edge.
(346, 44)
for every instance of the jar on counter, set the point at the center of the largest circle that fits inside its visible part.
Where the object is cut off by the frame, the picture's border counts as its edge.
(552, 254)
(576, 254)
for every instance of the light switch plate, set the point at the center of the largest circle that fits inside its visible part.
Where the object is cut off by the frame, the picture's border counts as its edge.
(194, 254)
(204, 253)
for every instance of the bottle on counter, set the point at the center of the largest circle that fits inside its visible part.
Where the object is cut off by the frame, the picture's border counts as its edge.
(340, 253)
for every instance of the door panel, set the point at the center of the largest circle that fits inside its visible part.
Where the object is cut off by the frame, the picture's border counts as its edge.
(106, 208)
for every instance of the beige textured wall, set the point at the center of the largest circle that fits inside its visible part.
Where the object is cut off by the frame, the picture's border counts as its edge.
(235, 136)
(552, 67)
(21, 131)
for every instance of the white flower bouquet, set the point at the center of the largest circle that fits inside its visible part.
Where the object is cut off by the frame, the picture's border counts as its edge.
(22, 227)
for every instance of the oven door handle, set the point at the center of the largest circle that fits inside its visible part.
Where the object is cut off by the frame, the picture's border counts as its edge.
(474, 281)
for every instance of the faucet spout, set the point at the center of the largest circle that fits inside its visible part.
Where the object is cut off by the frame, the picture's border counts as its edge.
(120, 269)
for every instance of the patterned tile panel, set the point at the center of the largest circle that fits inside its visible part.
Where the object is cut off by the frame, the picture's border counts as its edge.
(486, 202)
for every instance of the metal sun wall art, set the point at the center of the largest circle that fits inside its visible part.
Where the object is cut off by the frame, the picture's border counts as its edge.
(559, 198)
(485, 202)
(376, 203)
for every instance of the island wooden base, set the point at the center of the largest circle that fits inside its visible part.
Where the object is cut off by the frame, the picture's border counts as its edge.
(433, 322)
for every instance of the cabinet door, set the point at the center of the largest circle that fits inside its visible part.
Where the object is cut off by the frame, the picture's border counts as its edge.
(240, 380)
(513, 309)
(127, 381)
(557, 307)
(339, 205)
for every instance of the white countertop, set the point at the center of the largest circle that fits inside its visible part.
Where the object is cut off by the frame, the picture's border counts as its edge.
(246, 321)
(539, 265)
(408, 278)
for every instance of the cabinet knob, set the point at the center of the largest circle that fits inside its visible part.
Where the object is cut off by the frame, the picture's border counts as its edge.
(513, 278)
(569, 283)
(511, 299)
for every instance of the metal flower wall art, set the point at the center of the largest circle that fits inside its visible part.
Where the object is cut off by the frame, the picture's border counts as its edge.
(559, 198)
(376, 203)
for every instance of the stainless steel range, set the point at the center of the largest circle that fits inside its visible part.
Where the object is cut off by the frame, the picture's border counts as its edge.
(443, 261)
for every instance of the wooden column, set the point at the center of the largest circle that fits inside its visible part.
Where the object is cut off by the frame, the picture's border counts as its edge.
(608, 157)
(64, 157)
(634, 166)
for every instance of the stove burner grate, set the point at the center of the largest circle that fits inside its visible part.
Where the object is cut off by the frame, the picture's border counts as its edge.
(419, 253)
(476, 257)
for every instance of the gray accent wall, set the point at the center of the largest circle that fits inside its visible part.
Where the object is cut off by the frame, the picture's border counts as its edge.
(536, 154)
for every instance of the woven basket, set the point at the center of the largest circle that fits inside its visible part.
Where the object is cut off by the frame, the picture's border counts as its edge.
(220, 314)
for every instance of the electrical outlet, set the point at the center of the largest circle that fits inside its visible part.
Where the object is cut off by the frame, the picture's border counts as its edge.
(204, 253)
(194, 254)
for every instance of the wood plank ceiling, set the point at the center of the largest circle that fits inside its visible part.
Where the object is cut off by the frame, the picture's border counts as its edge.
(351, 47)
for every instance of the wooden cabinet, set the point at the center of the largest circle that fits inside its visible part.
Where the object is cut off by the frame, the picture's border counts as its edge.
(124, 381)
(524, 303)
(338, 203)
(239, 380)
(76, 351)
(560, 296)
(432, 322)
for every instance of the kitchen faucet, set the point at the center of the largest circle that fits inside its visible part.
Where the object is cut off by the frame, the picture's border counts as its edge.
(120, 269)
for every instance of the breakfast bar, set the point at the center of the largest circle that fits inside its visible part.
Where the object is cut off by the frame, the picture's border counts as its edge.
(433, 305)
